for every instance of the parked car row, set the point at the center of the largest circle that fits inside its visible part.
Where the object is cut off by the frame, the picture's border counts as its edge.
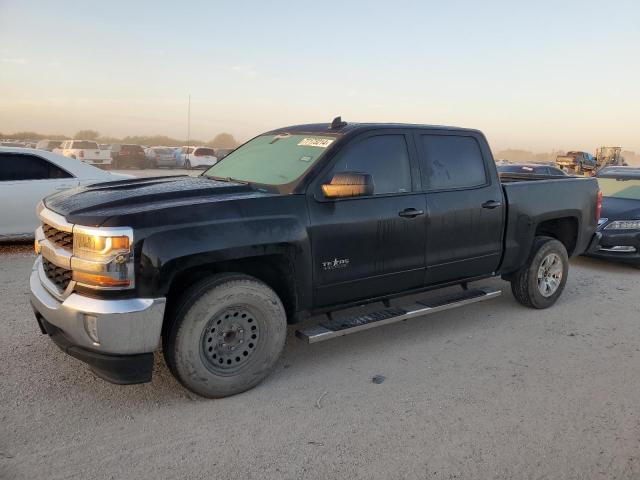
(119, 156)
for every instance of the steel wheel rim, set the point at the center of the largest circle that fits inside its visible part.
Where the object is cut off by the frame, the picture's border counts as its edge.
(550, 275)
(229, 340)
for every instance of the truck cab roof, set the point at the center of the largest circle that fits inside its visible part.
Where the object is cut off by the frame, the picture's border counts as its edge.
(354, 127)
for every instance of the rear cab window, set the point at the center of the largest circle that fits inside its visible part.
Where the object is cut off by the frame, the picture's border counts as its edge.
(451, 162)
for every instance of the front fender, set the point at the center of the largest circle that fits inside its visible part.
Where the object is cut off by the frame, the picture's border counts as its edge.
(166, 254)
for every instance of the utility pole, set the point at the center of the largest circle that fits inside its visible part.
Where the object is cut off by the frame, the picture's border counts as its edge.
(188, 123)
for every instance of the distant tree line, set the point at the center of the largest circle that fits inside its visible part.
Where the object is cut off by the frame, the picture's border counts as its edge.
(222, 140)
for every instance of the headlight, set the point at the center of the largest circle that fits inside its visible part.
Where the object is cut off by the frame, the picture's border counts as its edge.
(624, 225)
(89, 245)
(103, 257)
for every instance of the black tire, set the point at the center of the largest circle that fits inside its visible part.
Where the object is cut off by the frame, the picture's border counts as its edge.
(525, 284)
(194, 351)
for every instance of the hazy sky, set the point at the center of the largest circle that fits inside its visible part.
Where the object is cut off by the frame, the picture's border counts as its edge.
(536, 75)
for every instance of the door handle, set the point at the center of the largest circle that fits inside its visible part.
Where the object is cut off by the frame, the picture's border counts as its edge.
(410, 213)
(490, 204)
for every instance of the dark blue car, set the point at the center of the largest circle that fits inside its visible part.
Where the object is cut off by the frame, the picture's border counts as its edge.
(620, 219)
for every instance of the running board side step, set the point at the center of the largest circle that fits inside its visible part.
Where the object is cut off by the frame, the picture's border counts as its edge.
(344, 326)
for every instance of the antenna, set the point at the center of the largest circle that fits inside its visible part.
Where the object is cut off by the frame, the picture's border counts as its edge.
(337, 123)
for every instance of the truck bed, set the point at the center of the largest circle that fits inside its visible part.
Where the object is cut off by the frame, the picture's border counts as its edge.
(532, 199)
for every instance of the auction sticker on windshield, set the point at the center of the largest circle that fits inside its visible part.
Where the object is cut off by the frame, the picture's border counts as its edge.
(316, 142)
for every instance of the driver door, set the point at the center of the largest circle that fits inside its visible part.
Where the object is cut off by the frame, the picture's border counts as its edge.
(372, 245)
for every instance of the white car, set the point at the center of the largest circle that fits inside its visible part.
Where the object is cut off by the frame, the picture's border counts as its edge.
(28, 175)
(197, 157)
(85, 150)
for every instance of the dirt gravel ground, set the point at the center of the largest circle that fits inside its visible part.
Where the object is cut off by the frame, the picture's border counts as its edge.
(489, 391)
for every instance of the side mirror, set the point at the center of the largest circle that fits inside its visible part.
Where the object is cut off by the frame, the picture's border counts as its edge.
(349, 184)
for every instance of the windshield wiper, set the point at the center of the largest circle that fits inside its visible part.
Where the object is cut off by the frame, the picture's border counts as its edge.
(260, 188)
(228, 180)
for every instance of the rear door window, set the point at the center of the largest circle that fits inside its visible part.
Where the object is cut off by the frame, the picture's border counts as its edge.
(28, 167)
(451, 162)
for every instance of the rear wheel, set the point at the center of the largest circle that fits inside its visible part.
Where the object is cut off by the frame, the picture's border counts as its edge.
(227, 334)
(540, 282)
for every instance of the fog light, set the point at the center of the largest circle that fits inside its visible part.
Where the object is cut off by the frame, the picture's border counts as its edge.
(91, 327)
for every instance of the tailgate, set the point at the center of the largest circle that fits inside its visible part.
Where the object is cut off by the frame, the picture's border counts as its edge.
(98, 156)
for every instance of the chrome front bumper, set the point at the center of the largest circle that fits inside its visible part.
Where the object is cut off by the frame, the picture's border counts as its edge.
(124, 327)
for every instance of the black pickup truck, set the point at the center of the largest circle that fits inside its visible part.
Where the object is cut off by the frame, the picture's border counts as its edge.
(298, 222)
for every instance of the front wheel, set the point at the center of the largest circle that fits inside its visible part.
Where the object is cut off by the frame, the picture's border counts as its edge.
(540, 282)
(227, 334)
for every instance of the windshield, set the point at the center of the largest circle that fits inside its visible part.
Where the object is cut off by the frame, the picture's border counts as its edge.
(622, 188)
(272, 159)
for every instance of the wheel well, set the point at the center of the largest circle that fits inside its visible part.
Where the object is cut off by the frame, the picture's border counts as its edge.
(274, 270)
(564, 230)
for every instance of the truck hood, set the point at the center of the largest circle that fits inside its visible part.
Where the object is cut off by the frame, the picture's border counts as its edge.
(95, 204)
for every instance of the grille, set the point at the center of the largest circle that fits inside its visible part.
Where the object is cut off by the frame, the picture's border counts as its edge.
(58, 237)
(59, 276)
